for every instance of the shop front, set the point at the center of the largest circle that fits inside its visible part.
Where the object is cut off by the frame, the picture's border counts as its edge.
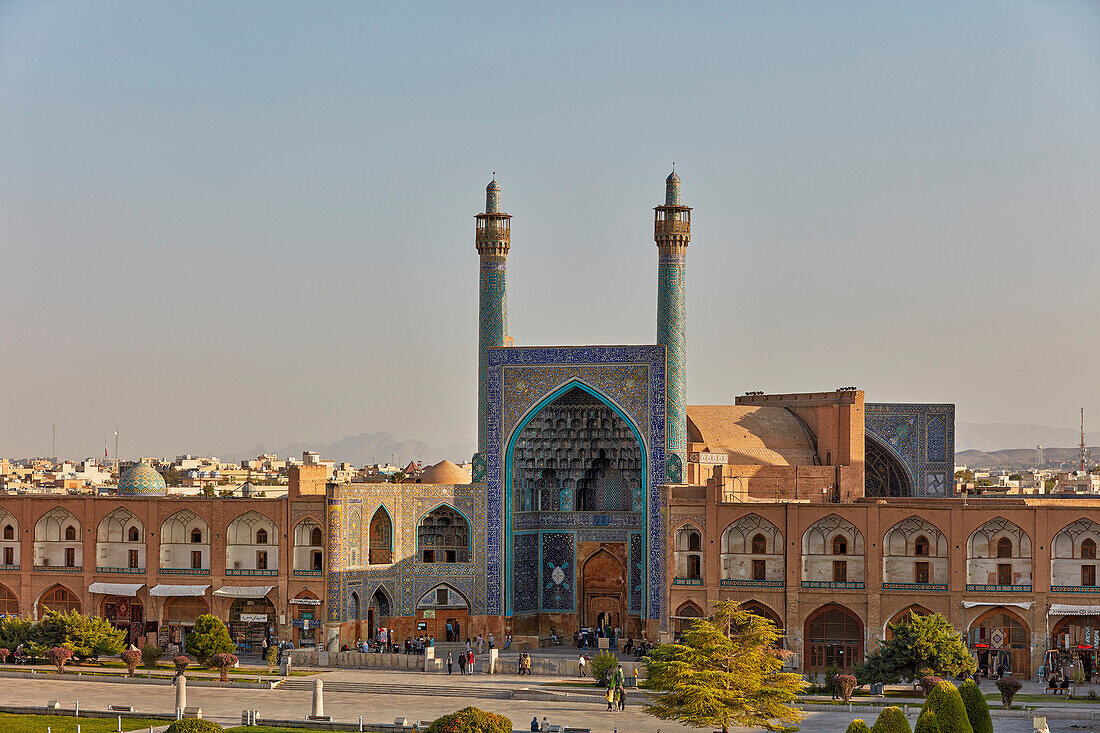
(123, 609)
(183, 604)
(1075, 639)
(251, 618)
(1000, 641)
(305, 609)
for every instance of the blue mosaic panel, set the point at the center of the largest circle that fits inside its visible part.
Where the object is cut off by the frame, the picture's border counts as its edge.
(493, 329)
(672, 333)
(525, 580)
(600, 368)
(559, 571)
(922, 436)
(636, 573)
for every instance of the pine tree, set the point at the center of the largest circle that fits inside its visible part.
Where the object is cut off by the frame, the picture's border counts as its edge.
(208, 638)
(725, 672)
(918, 642)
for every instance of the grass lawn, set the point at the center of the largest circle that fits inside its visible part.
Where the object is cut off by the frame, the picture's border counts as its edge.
(62, 724)
(266, 729)
(1043, 698)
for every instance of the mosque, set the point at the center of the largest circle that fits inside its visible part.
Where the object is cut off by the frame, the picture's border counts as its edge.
(599, 497)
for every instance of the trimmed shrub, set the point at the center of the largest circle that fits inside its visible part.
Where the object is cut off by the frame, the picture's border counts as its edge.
(891, 720)
(272, 658)
(471, 720)
(4, 653)
(59, 655)
(194, 726)
(946, 702)
(977, 710)
(1008, 688)
(927, 682)
(222, 663)
(926, 722)
(182, 662)
(857, 726)
(130, 658)
(844, 685)
(150, 654)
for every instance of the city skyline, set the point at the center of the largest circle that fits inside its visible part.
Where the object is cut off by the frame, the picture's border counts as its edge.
(229, 226)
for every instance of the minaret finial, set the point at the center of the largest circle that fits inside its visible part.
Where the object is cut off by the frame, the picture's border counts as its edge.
(672, 188)
(492, 196)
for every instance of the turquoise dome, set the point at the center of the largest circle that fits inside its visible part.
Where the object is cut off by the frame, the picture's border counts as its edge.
(141, 480)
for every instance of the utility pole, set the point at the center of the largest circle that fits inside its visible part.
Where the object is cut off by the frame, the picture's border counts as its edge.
(53, 445)
(1084, 453)
(116, 452)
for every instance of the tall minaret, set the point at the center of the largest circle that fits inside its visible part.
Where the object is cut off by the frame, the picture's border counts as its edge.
(672, 232)
(493, 239)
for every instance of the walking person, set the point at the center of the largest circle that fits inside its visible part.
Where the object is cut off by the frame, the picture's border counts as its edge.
(491, 642)
(621, 694)
(450, 663)
(480, 643)
(462, 663)
(470, 662)
(610, 697)
(581, 663)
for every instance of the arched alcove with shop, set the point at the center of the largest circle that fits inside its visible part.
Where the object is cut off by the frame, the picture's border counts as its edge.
(178, 616)
(305, 609)
(251, 621)
(442, 605)
(833, 637)
(9, 603)
(685, 615)
(378, 612)
(1000, 636)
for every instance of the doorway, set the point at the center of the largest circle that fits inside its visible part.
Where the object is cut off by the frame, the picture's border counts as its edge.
(602, 583)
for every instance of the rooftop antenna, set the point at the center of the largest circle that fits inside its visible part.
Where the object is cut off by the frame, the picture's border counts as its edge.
(1084, 451)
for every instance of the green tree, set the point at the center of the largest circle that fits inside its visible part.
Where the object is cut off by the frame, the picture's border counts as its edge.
(946, 702)
(194, 726)
(208, 638)
(858, 726)
(16, 631)
(398, 477)
(602, 665)
(724, 672)
(471, 720)
(891, 720)
(977, 710)
(150, 653)
(88, 637)
(918, 642)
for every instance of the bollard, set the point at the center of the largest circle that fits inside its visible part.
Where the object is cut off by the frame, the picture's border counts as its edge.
(76, 712)
(120, 724)
(318, 699)
(181, 691)
(360, 724)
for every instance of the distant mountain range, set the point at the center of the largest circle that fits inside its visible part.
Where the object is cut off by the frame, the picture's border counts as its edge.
(359, 450)
(1012, 445)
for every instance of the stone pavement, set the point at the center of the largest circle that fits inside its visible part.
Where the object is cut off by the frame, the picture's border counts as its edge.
(225, 705)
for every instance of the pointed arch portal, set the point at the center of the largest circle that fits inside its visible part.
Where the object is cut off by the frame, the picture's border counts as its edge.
(884, 472)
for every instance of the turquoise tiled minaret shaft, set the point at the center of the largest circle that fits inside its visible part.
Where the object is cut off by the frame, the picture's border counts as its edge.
(672, 233)
(493, 239)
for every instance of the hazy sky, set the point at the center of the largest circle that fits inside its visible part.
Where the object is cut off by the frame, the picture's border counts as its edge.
(231, 223)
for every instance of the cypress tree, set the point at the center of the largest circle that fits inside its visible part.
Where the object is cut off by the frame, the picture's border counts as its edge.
(946, 702)
(891, 720)
(977, 710)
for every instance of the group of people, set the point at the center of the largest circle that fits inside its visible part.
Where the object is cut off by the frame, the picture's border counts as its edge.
(1058, 682)
(412, 645)
(524, 664)
(465, 661)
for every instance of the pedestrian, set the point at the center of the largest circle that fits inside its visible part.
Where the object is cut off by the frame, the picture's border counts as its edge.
(507, 641)
(491, 642)
(469, 646)
(610, 697)
(635, 675)
(545, 725)
(450, 662)
(450, 632)
(581, 664)
(535, 723)
(462, 663)
(480, 643)
(470, 662)
(621, 694)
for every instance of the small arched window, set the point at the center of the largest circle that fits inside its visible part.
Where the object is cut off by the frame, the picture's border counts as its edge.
(133, 535)
(840, 545)
(1004, 547)
(1088, 549)
(693, 541)
(759, 545)
(261, 537)
(315, 537)
(920, 547)
(70, 533)
(9, 532)
(196, 536)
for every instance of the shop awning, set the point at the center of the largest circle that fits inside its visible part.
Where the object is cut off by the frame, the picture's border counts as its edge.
(116, 589)
(245, 591)
(1069, 609)
(178, 590)
(1017, 604)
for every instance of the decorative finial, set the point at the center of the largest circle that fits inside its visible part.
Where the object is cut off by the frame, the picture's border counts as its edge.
(492, 196)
